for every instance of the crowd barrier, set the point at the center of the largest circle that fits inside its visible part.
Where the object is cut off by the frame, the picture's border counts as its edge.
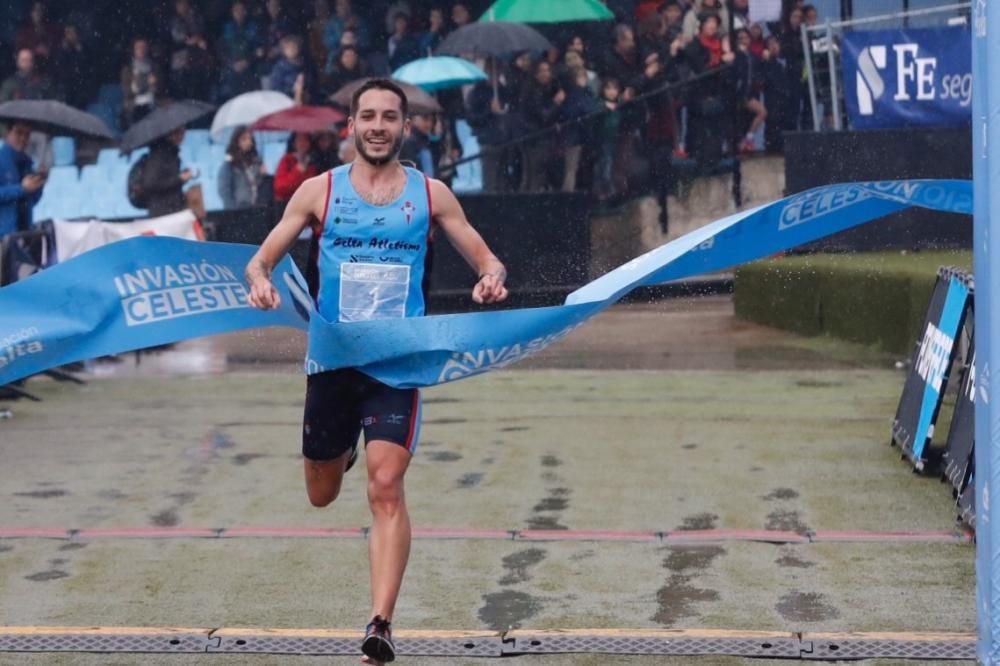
(947, 340)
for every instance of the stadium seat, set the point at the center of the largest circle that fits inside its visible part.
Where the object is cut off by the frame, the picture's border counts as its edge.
(63, 151)
(108, 156)
(210, 192)
(137, 154)
(272, 154)
(62, 177)
(197, 137)
(469, 175)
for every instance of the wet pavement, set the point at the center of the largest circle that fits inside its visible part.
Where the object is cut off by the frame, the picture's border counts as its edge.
(726, 426)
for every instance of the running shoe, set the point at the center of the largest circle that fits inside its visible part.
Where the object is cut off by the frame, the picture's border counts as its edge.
(378, 640)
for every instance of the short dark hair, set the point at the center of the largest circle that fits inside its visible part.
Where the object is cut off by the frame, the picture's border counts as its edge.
(380, 84)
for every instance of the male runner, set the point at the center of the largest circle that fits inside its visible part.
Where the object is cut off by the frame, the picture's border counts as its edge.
(376, 218)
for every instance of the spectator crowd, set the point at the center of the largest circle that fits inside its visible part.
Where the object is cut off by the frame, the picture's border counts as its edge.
(666, 82)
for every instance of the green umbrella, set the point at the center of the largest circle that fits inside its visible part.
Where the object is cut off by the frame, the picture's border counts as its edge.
(548, 11)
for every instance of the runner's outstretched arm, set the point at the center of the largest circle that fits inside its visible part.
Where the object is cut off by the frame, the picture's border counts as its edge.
(304, 205)
(451, 218)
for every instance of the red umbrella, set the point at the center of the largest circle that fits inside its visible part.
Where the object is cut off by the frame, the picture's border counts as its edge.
(301, 119)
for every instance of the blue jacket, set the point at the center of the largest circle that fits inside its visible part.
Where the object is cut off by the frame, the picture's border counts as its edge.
(13, 167)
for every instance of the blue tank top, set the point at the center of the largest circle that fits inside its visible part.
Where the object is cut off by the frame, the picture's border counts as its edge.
(371, 259)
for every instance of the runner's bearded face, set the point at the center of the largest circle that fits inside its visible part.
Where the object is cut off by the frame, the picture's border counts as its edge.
(379, 127)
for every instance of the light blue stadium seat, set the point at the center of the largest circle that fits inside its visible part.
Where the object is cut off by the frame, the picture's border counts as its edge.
(197, 137)
(187, 155)
(272, 154)
(63, 151)
(62, 176)
(136, 155)
(263, 137)
(469, 176)
(108, 156)
(462, 131)
(210, 192)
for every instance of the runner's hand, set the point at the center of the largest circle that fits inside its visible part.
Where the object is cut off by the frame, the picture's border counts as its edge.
(263, 295)
(489, 289)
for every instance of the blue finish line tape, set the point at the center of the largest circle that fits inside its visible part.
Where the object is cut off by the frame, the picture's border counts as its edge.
(144, 292)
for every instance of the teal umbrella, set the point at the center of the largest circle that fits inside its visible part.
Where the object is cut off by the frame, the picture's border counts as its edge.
(549, 11)
(439, 73)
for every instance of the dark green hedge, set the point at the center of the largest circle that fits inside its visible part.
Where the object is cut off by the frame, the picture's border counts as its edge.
(873, 298)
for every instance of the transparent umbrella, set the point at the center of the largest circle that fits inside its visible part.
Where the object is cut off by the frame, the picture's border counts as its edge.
(247, 108)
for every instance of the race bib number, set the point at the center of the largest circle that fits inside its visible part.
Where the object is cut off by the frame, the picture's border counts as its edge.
(373, 291)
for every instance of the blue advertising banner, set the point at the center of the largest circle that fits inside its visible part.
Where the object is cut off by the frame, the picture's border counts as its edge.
(899, 78)
(149, 291)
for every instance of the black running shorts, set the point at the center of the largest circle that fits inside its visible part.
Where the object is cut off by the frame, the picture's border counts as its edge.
(340, 403)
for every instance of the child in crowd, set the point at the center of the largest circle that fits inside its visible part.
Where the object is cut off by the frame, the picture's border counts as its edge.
(607, 135)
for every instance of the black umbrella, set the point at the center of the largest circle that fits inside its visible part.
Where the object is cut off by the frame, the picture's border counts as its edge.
(162, 121)
(52, 117)
(496, 38)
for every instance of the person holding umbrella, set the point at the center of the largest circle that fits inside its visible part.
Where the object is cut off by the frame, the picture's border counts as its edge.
(162, 179)
(20, 187)
(156, 182)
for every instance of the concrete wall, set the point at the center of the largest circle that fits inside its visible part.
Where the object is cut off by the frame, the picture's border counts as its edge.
(635, 229)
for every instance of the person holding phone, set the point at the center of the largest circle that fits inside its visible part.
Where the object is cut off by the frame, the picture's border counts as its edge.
(20, 186)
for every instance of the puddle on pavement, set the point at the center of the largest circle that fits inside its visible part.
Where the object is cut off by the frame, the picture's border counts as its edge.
(791, 560)
(509, 608)
(470, 480)
(700, 521)
(517, 564)
(786, 521)
(43, 576)
(781, 494)
(683, 559)
(165, 518)
(244, 458)
(551, 504)
(799, 606)
(43, 494)
(545, 523)
(550, 461)
(678, 597)
(444, 456)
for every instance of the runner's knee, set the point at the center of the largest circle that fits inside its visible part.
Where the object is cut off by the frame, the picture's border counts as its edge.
(385, 491)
